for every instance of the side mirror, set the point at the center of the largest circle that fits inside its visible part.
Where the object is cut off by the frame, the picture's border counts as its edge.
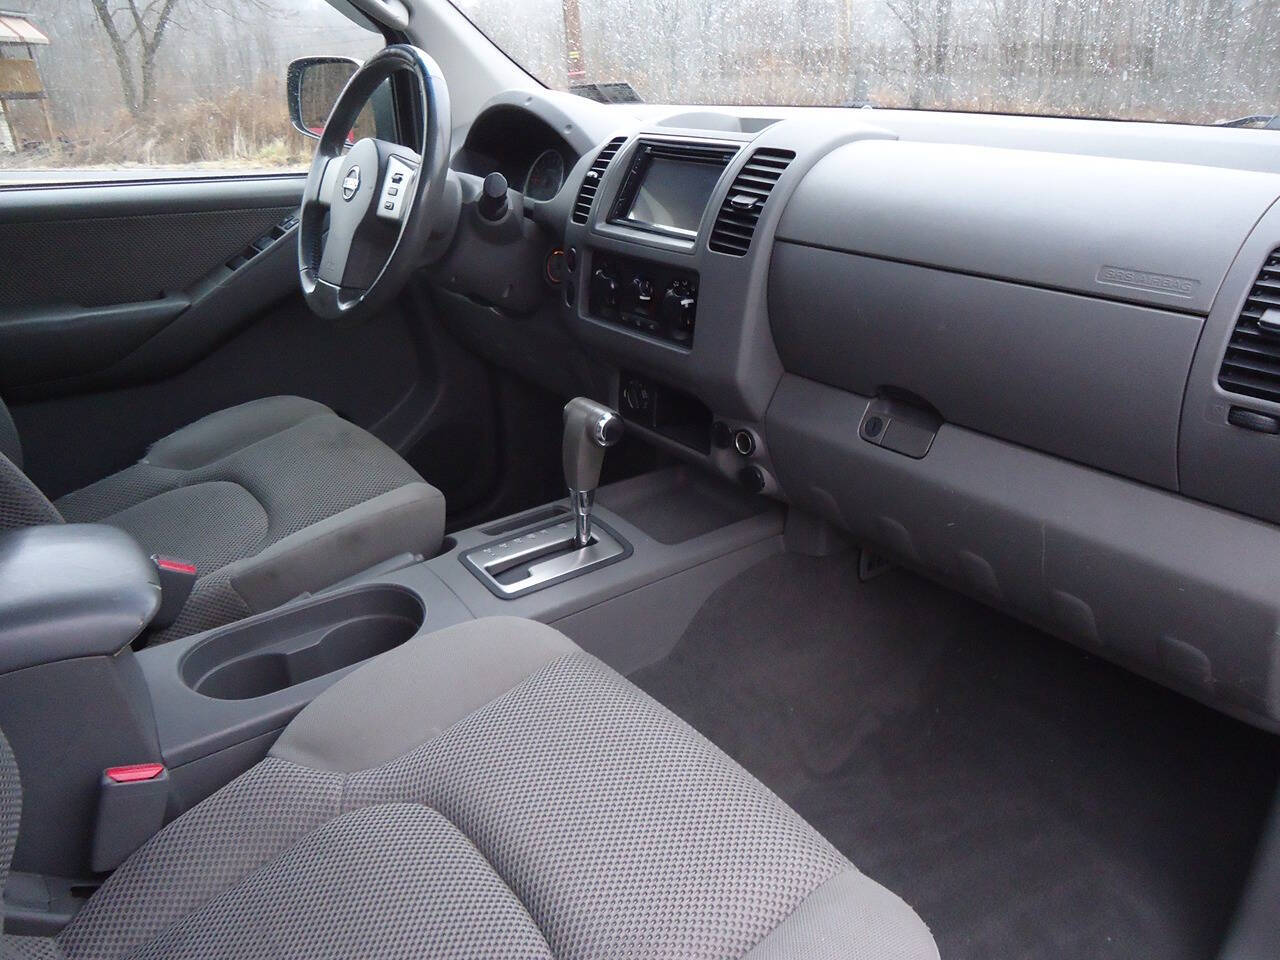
(313, 87)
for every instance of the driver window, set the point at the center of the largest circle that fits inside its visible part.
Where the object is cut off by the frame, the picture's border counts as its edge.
(81, 102)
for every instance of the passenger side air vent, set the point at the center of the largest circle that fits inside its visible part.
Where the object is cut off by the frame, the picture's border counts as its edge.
(1252, 364)
(743, 204)
(591, 182)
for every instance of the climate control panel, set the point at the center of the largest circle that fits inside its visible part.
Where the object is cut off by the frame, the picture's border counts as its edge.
(651, 298)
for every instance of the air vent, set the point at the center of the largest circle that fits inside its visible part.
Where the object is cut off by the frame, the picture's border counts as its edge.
(591, 182)
(743, 204)
(1252, 364)
(698, 152)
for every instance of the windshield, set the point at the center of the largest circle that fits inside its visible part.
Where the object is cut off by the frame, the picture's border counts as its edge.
(1188, 61)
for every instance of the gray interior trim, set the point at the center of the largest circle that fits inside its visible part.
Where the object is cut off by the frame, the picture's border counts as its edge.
(1093, 381)
(1217, 461)
(61, 202)
(72, 590)
(409, 519)
(193, 726)
(1207, 146)
(612, 613)
(1158, 234)
(1179, 591)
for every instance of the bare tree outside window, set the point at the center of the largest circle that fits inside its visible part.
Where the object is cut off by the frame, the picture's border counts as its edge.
(1183, 61)
(163, 86)
(171, 86)
(136, 30)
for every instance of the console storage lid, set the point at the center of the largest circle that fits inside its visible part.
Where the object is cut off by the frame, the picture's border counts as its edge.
(72, 590)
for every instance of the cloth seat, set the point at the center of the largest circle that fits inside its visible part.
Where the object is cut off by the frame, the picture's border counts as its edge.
(488, 791)
(269, 499)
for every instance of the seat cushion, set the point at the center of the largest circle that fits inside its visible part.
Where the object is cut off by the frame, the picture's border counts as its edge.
(269, 500)
(488, 791)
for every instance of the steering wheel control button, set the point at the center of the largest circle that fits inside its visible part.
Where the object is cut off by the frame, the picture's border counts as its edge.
(395, 188)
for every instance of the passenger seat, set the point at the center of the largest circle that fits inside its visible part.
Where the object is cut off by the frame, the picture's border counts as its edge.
(486, 791)
(268, 500)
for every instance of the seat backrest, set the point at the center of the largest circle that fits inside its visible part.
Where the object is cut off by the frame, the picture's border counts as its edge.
(10, 807)
(21, 502)
(10, 442)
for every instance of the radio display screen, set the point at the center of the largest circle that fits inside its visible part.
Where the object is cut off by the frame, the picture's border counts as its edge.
(673, 195)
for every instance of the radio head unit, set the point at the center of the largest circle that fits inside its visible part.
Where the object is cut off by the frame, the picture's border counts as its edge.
(669, 185)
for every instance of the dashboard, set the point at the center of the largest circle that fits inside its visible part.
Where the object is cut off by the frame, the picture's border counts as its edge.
(525, 149)
(1038, 360)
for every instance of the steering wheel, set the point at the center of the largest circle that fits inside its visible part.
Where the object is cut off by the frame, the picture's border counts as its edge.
(383, 201)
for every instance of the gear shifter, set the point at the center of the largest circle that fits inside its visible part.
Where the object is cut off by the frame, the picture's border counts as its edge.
(543, 553)
(590, 428)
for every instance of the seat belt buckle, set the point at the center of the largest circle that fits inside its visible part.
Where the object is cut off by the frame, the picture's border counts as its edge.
(177, 578)
(132, 801)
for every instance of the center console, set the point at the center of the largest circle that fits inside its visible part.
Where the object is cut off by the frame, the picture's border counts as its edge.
(114, 741)
(668, 236)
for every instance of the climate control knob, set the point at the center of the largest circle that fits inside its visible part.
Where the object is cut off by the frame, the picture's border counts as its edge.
(604, 290)
(642, 289)
(679, 307)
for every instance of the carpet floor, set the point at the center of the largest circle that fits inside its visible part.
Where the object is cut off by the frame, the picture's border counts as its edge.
(1028, 799)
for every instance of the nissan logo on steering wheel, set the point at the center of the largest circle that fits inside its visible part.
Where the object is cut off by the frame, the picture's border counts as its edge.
(351, 183)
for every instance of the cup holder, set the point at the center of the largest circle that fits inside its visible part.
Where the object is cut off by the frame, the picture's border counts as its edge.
(301, 643)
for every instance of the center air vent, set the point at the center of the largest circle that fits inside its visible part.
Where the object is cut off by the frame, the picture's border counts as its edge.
(591, 182)
(743, 204)
(1252, 364)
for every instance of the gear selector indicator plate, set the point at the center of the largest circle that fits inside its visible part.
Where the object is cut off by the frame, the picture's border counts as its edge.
(542, 556)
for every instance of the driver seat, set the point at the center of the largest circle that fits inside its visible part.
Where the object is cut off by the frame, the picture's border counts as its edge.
(270, 499)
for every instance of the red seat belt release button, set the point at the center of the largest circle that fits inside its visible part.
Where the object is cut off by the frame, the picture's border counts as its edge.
(170, 565)
(134, 772)
(133, 800)
(177, 578)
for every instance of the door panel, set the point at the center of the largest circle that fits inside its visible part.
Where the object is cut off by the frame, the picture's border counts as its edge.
(365, 373)
(130, 310)
(95, 276)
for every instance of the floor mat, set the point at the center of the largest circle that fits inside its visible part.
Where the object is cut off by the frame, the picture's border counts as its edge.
(1028, 799)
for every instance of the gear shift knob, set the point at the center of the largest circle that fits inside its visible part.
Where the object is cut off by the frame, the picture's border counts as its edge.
(590, 428)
